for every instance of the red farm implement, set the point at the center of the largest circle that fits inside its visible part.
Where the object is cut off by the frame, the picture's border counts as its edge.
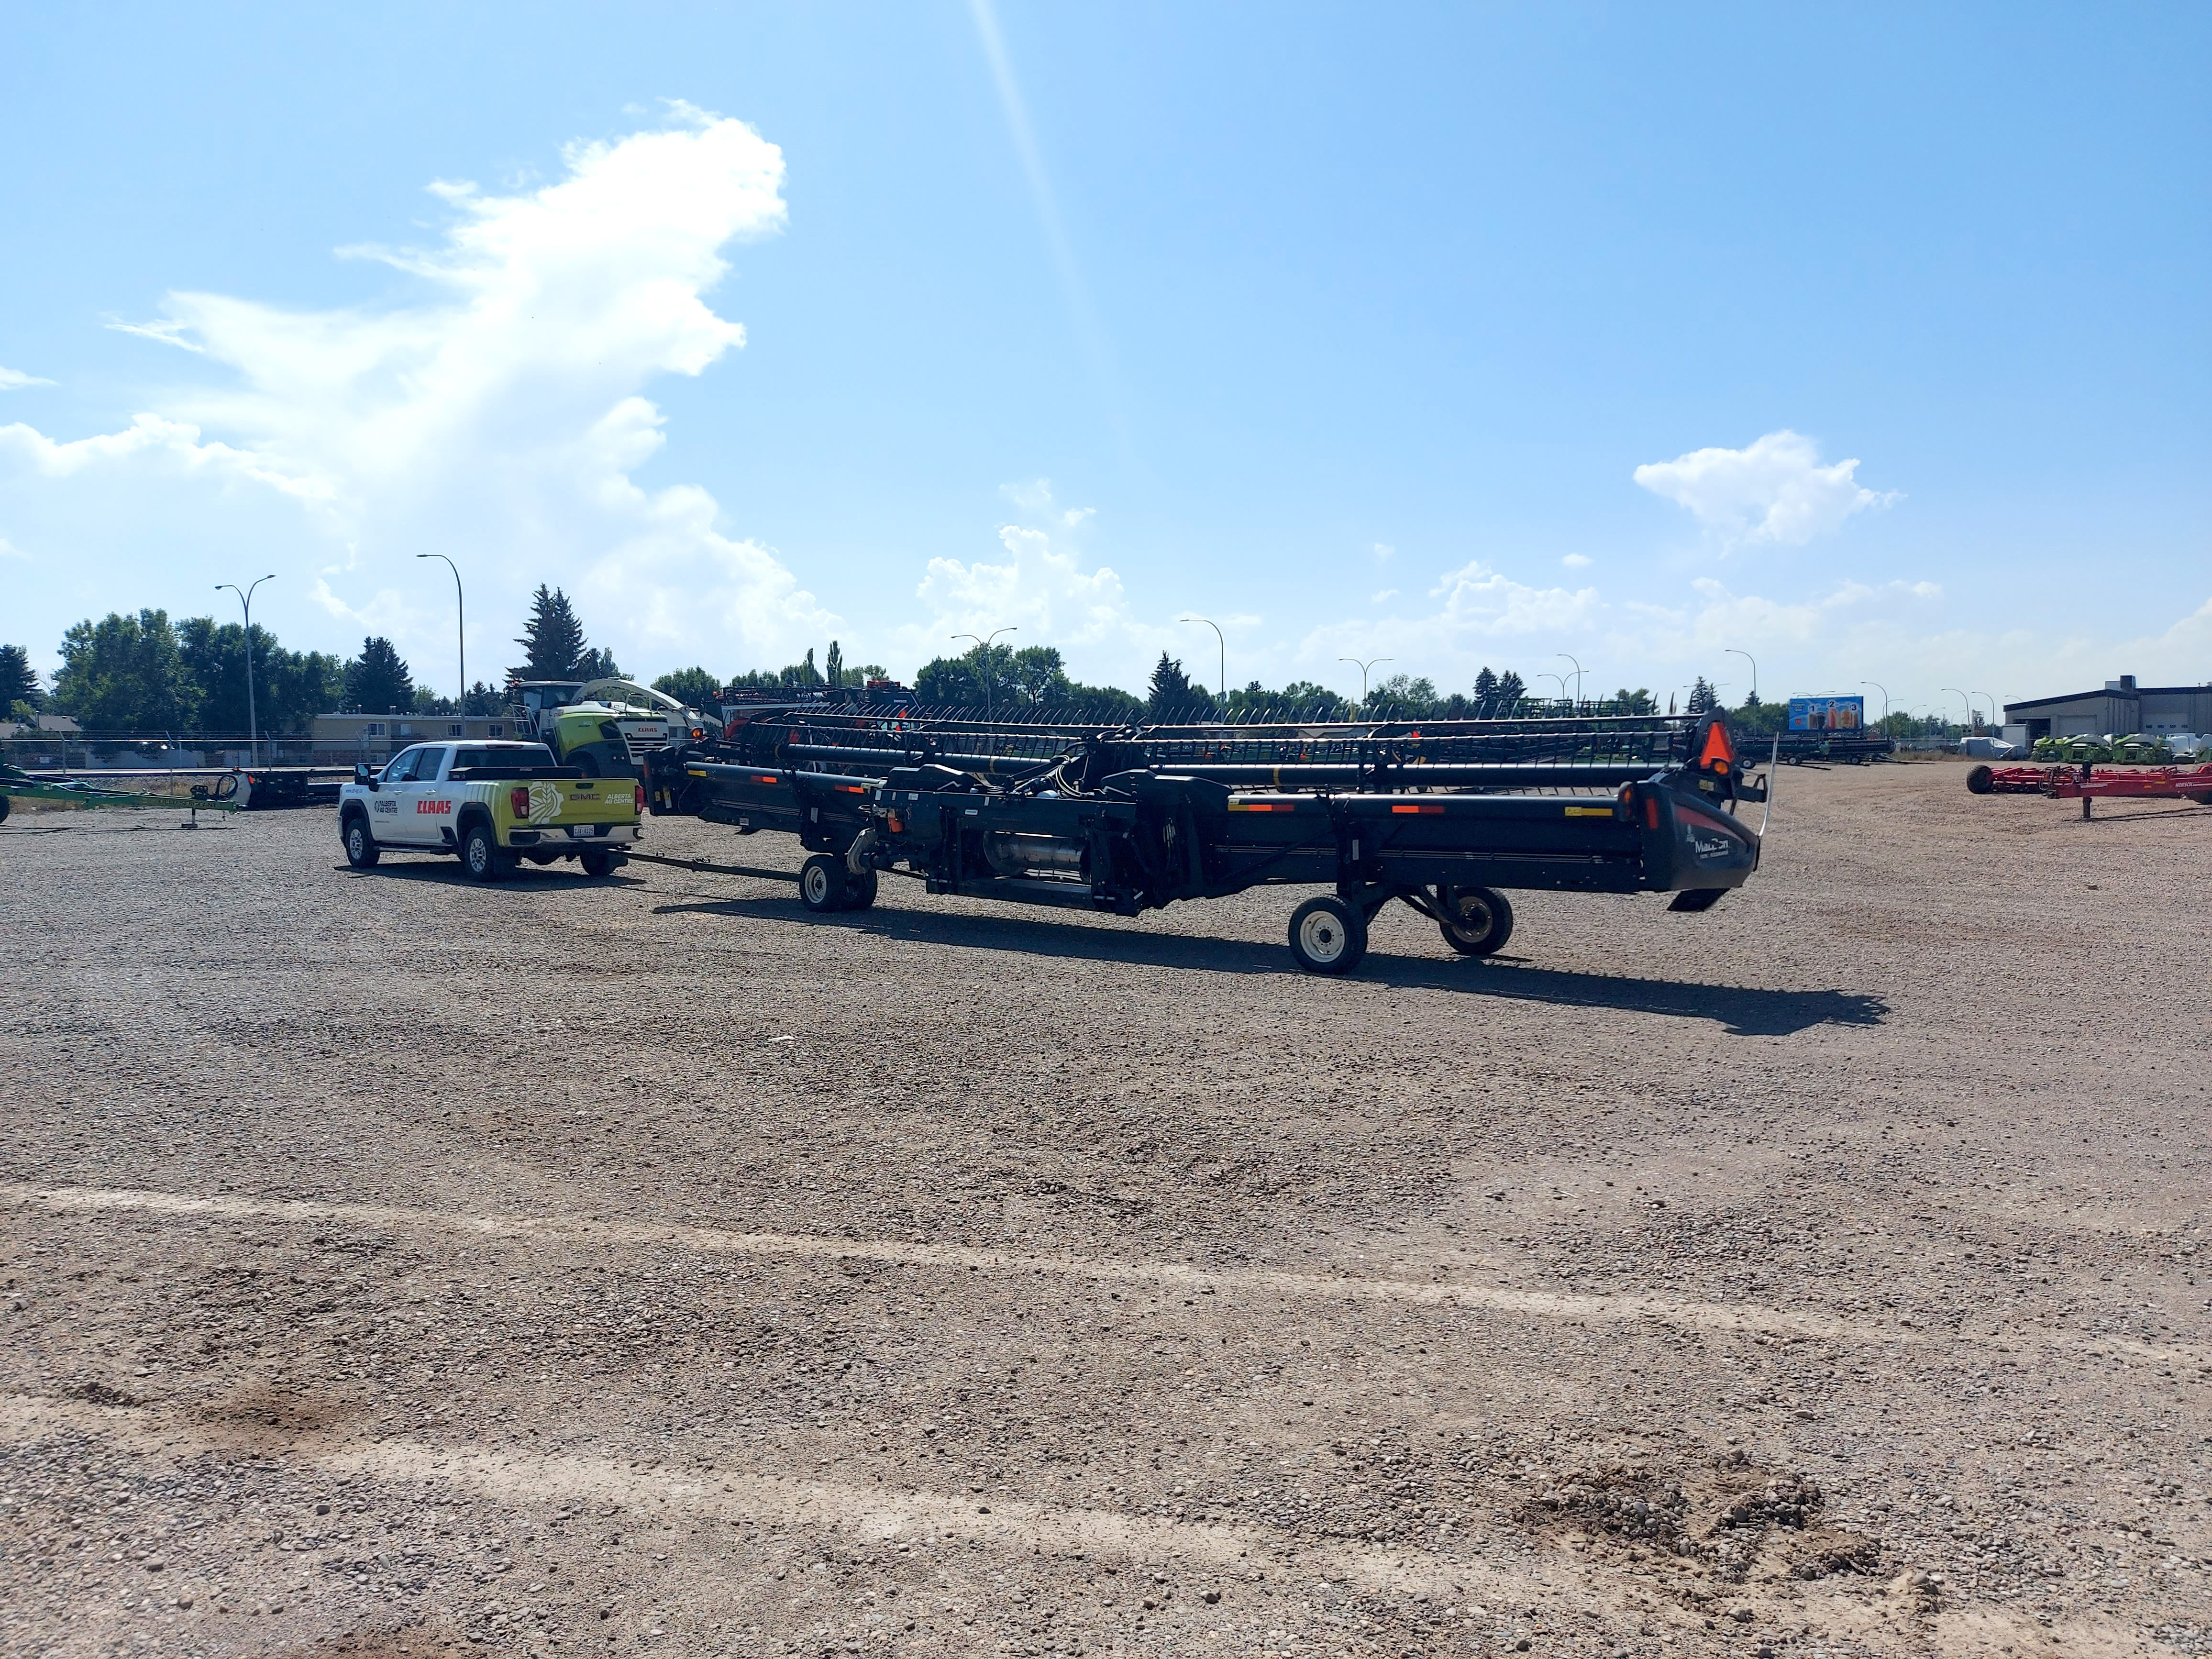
(2086, 784)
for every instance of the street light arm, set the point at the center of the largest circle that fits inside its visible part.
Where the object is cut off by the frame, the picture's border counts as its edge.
(460, 629)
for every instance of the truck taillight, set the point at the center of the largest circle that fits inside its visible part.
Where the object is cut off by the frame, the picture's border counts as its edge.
(517, 802)
(638, 796)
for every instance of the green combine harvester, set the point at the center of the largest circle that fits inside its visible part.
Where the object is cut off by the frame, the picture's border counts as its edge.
(15, 784)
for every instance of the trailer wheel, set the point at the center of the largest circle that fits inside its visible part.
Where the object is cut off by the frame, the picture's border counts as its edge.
(1327, 936)
(361, 848)
(4, 799)
(1978, 780)
(822, 884)
(1481, 920)
(480, 855)
(860, 890)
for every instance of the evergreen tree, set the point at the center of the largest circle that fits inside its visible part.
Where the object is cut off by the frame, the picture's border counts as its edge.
(596, 663)
(833, 666)
(1486, 690)
(552, 640)
(1703, 698)
(1511, 693)
(377, 681)
(1173, 697)
(19, 681)
(126, 674)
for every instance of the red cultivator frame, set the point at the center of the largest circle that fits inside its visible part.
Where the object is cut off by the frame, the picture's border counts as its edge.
(2086, 784)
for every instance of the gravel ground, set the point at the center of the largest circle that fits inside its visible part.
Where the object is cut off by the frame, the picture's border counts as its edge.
(395, 1266)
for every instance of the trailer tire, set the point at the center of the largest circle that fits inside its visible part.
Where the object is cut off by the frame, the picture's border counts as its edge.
(1328, 935)
(481, 860)
(822, 884)
(4, 799)
(598, 861)
(1483, 921)
(860, 890)
(1978, 781)
(361, 848)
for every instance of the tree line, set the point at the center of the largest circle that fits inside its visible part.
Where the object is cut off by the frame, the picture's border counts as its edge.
(145, 673)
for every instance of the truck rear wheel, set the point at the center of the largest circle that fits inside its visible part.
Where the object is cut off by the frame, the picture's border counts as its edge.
(822, 884)
(598, 861)
(1479, 920)
(361, 848)
(480, 854)
(1327, 936)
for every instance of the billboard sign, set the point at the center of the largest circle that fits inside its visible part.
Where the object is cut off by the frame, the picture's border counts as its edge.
(1826, 713)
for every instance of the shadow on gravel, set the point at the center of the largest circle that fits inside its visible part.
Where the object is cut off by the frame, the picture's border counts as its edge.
(1741, 1010)
(448, 870)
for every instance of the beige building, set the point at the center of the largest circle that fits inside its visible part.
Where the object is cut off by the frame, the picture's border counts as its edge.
(340, 739)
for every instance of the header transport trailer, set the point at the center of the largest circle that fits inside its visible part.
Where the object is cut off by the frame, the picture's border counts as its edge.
(1444, 817)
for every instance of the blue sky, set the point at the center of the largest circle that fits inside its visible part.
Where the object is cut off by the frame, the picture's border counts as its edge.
(1870, 340)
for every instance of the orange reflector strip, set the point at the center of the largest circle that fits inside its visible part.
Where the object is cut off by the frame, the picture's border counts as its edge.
(1651, 811)
(1718, 755)
(1262, 806)
(853, 788)
(1416, 808)
(1589, 812)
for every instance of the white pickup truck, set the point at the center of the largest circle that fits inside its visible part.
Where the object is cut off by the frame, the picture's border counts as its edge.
(493, 805)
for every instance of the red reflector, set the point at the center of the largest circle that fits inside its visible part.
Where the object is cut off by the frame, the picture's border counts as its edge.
(1651, 811)
(638, 801)
(517, 802)
(1416, 808)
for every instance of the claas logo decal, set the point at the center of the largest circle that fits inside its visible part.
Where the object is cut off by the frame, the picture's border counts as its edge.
(434, 807)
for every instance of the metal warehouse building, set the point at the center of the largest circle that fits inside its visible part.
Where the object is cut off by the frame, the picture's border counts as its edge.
(2121, 709)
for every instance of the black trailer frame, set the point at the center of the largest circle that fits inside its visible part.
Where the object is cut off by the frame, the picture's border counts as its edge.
(1435, 830)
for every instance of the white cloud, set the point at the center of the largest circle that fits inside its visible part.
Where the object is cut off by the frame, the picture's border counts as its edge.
(1476, 607)
(14, 380)
(1387, 594)
(1577, 561)
(1775, 490)
(1384, 552)
(498, 417)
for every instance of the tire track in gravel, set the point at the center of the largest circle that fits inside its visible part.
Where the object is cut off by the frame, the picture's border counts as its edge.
(874, 1513)
(1579, 1307)
(1019, 1527)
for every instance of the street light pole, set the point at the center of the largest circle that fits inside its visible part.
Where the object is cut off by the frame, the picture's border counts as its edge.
(1968, 700)
(1363, 667)
(1731, 651)
(1993, 709)
(981, 646)
(461, 629)
(1216, 626)
(1578, 678)
(252, 720)
(1884, 689)
(1546, 674)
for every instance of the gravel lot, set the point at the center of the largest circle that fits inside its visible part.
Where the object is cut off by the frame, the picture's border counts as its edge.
(395, 1266)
